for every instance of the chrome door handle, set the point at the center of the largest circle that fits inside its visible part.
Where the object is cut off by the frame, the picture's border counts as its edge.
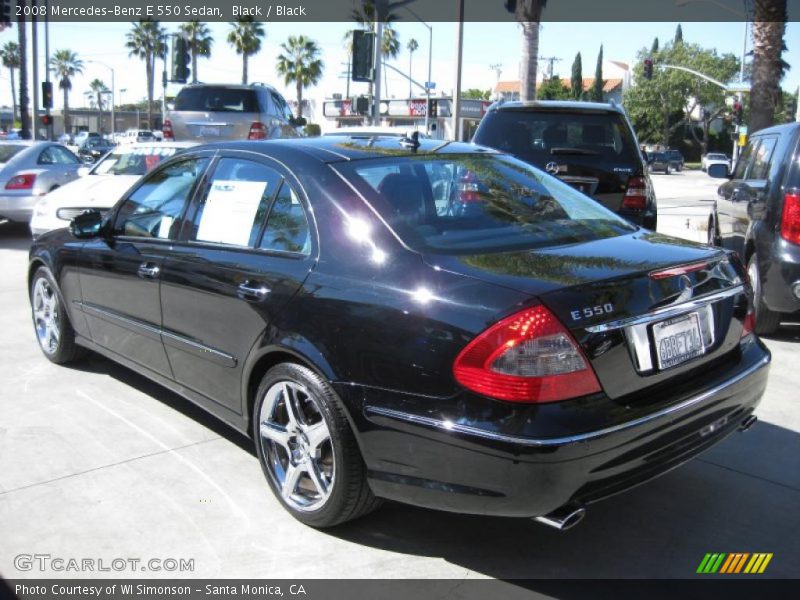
(148, 270)
(252, 291)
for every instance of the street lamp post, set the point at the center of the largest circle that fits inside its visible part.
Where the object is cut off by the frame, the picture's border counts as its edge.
(430, 63)
(113, 97)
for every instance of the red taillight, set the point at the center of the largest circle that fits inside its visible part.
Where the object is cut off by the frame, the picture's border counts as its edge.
(527, 357)
(673, 271)
(749, 323)
(636, 194)
(23, 181)
(790, 221)
(166, 129)
(257, 131)
(468, 188)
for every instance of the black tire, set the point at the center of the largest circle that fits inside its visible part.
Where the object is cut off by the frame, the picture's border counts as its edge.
(767, 321)
(349, 496)
(666, 170)
(49, 314)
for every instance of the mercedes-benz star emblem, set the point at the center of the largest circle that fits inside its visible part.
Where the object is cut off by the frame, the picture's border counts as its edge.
(551, 167)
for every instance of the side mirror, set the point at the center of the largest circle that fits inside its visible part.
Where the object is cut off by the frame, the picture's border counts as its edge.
(86, 225)
(718, 171)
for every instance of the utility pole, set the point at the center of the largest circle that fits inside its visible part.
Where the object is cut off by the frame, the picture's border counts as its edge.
(498, 70)
(35, 60)
(550, 60)
(47, 65)
(456, 103)
(376, 85)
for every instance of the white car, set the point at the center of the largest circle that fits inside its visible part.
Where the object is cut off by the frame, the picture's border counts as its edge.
(102, 185)
(715, 158)
(133, 136)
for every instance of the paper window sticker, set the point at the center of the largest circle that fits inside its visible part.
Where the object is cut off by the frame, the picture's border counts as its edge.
(229, 212)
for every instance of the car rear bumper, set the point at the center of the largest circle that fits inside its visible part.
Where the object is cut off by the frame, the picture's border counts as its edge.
(470, 466)
(780, 275)
(17, 208)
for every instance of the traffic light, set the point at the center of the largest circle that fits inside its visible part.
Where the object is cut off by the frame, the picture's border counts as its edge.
(5, 15)
(362, 105)
(433, 108)
(363, 49)
(648, 68)
(47, 94)
(511, 5)
(180, 60)
(47, 120)
(738, 112)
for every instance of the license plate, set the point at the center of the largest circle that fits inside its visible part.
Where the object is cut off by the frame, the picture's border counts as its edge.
(209, 131)
(678, 340)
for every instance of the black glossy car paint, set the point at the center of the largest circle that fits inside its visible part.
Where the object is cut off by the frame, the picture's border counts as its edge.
(388, 349)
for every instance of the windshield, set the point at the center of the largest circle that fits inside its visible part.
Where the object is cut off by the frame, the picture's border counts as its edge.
(8, 151)
(538, 136)
(216, 99)
(478, 203)
(717, 156)
(133, 161)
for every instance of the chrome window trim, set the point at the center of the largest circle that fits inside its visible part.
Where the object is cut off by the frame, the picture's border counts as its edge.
(560, 441)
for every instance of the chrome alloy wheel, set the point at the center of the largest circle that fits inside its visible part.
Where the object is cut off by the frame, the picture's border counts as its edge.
(297, 446)
(45, 316)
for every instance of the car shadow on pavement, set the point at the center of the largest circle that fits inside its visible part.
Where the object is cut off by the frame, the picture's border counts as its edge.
(14, 236)
(739, 497)
(789, 331)
(94, 363)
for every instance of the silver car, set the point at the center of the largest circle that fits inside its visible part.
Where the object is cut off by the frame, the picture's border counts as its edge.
(210, 113)
(28, 170)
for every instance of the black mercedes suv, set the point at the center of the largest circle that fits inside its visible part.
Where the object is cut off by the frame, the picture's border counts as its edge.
(589, 145)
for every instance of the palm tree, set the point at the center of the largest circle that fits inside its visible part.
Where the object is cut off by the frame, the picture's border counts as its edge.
(412, 47)
(390, 48)
(245, 36)
(66, 65)
(769, 24)
(365, 16)
(9, 54)
(24, 117)
(99, 88)
(300, 64)
(529, 14)
(199, 39)
(146, 41)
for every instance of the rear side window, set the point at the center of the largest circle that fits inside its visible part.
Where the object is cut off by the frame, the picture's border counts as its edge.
(540, 137)
(153, 208)
(236, 203)
(7, 151)
(287, 227)
(762, 158)
(216, 99)
(479, 203)
(282, 107)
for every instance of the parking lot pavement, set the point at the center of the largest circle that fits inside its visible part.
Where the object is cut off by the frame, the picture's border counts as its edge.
(97, 462)
(685, 200)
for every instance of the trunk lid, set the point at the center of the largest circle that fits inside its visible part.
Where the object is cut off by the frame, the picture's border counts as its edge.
(639, 321)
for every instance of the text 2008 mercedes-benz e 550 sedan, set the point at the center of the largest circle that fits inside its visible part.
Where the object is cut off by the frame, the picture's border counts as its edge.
(429, 322)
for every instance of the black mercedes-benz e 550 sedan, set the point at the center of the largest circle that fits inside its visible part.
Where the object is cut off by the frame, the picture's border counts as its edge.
(430, 322)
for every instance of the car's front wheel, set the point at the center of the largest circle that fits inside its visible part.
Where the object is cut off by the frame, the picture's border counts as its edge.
(767, 321)
(307, 450)
(50, 321)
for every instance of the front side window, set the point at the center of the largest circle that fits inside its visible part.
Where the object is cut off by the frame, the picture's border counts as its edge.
(745, 158)
(479, 203)
(152, 209)
(236, 203)
(762, 158)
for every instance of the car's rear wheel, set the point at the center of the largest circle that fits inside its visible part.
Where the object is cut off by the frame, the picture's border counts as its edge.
(50, 321)
(666, 170)
(307, 450)
(767, 321)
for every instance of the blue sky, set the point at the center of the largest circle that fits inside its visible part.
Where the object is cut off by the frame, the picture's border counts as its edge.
(484, 44)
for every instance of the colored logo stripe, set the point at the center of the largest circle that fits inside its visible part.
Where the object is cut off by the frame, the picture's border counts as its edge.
(721, 562)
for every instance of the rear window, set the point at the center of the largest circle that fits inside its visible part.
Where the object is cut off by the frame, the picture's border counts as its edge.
(464, 204)
(217, 99)
(134, 161)
(537, 137)
(8, 151)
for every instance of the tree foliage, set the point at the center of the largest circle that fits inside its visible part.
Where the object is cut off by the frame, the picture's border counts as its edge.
(660, 106)
(299, 63)
(477, 94)
(245, 36)
(597, 85)
(146, 41)
(554, 89)
(199, 39)
(65, 65)
(576, 81)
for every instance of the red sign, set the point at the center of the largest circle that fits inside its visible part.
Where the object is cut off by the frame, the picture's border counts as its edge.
(417, 108)
(346, 108)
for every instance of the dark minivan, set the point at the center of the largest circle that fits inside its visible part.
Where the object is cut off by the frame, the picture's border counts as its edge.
(589, 145)
(757, 213)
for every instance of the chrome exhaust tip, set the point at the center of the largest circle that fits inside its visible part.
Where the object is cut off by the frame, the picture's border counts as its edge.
(748, 423)
(563, 518)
